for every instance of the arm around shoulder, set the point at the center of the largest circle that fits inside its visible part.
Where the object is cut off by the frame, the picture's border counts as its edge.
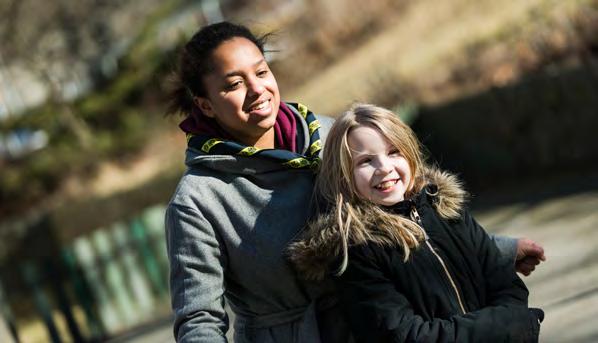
(197, 264)
(507, 246)
(524, 253)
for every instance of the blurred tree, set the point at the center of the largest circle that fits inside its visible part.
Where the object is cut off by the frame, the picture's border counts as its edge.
(62, 55)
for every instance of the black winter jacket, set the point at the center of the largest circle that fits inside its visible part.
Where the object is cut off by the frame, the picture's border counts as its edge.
(453, 288)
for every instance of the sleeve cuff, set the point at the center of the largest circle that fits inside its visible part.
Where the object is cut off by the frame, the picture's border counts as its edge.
(507, 247)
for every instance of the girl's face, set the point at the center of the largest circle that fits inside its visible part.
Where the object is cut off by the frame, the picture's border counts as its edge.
(380, 172)
(242, 93)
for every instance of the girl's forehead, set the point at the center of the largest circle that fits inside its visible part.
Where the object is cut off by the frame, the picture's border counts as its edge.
(367, 138)
(236, 54)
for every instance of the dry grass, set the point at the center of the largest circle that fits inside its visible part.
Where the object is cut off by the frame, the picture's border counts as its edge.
(421, 49)
(553, 38)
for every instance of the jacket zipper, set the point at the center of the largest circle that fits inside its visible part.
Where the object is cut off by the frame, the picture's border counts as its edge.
(416, 218)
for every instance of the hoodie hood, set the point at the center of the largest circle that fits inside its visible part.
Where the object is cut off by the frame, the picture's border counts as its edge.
(319, 247)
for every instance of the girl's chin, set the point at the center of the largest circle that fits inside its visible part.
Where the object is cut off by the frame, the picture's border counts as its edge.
(388, 199)
(267, 124)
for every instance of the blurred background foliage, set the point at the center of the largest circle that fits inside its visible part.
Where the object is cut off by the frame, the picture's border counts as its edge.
(103, 81)
(497, 90)
(114, 110)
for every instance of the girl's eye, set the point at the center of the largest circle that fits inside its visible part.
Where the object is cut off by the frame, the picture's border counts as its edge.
(234, 85)
(364, 161)
(262, 73)
(394, 153)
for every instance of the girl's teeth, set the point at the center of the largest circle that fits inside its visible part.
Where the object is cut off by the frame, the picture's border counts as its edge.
(386, 184)
(259, 106)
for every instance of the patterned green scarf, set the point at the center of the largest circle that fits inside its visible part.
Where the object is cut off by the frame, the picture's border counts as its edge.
(216, 146)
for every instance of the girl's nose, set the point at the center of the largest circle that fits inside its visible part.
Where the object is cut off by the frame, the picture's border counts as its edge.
(384, 167)
(255, 87)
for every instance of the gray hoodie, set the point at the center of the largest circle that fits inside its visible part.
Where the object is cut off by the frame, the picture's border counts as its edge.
(227, 227)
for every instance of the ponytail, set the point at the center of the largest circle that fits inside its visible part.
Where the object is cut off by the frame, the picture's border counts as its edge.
(180, 99)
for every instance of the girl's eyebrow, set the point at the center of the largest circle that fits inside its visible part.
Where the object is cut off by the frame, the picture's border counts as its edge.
(360, 154)
(239, 73)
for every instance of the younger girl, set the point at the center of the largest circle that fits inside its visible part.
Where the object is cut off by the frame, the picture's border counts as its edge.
(412, 264)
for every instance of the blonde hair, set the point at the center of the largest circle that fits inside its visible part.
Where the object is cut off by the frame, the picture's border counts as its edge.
(335, 184)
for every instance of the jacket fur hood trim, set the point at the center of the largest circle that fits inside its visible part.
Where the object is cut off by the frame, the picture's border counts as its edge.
(319, 247)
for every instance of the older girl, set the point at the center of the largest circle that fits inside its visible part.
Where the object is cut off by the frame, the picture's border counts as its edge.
(244, 196)
(412, 264)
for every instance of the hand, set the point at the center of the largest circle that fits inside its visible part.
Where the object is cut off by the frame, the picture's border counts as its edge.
(529, 255)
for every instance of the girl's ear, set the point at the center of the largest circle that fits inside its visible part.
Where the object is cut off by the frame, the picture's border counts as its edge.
(204, 105)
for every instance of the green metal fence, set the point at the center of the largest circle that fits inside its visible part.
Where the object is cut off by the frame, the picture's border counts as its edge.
(100, 285)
